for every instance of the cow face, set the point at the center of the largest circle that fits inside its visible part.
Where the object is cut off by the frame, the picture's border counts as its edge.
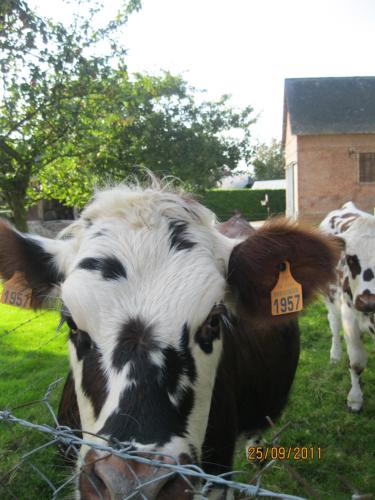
(358, 264)
(149, 287)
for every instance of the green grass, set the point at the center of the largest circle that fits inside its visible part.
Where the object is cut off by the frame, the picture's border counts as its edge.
(318, 418)
(33, 356)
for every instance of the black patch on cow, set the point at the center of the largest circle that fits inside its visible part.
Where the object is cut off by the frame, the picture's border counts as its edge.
(188, 360)
(171, 375)
(350, 214)
(354, 265)
(333, 221)
(82, 342)
(110, 267)
(94, 380)
(135, 341)
(177, 237)
(178, 362)
(146, 413)
(346, 288)
(368, 275)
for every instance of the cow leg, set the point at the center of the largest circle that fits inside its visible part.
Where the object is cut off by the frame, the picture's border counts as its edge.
(334, 319)
(357, 357)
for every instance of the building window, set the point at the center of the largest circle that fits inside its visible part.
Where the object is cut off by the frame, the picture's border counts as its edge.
(366, 167)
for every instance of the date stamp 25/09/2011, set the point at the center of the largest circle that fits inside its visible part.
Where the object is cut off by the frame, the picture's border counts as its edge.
(300, 453)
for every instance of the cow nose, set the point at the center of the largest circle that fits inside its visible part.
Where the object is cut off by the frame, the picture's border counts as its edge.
(365, 302)
(108, 477)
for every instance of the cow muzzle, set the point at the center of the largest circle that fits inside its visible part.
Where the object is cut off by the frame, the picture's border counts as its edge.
(108, 477)
(365, 303)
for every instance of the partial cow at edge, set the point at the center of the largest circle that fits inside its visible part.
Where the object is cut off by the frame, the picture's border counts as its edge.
(351, 299)
(172, 345)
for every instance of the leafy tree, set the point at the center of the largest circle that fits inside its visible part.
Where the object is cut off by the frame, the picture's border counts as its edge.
(72, 118)
(268, 161)
(160, 126)
(50, 74)
(151, 122)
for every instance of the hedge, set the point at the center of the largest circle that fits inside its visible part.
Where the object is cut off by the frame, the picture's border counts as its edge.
(225, 202)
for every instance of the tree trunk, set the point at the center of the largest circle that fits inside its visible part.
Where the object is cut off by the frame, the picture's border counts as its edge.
(16, 201)
(19, 215)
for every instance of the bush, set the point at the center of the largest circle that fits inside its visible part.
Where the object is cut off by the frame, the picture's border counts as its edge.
(225, 202)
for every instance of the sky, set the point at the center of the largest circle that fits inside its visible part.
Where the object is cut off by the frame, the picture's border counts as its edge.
(247, 48)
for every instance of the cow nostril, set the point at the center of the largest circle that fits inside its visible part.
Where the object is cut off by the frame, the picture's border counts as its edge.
(92, 486)
(177, 487)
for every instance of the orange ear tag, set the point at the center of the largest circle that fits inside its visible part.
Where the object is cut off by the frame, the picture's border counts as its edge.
(16, 292)
(286, 296)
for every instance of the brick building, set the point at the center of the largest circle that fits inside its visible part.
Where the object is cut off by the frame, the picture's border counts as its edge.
(329, 144)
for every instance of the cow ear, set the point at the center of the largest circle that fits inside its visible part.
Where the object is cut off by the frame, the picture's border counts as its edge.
(254, 264)
(38, 259)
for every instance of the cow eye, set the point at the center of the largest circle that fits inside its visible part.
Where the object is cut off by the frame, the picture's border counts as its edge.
(82, 342)
(210, 330)
(214, 322)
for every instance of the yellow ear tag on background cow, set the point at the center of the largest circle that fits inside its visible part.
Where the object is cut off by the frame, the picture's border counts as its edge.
(16, 292)
(286, 296)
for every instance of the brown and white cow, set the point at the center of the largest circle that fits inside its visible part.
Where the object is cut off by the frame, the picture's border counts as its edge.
(172, 345)
(351, 300)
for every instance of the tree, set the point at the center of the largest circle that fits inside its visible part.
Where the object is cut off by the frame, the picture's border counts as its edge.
(268, 161)
(151, 122)
(161, 127)
(50, 73)
(73, 118)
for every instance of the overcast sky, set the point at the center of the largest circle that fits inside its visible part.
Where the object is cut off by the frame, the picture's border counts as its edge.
(248, 47)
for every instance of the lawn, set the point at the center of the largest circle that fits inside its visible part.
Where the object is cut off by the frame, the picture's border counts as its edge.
(33, 355)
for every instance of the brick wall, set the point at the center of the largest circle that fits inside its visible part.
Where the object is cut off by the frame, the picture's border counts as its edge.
(328, 174)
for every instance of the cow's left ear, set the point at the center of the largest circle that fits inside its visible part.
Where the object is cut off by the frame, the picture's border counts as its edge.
(254, 264)
(39, 259)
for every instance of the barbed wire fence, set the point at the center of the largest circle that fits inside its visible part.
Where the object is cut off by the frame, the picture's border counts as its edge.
(30, 465)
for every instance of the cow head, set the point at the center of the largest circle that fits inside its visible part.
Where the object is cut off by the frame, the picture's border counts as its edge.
(148, 286)
(358, 263)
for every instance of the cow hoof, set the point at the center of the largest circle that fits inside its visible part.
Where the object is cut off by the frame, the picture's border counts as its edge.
(355, 407)
(335, 359)
(335, 355)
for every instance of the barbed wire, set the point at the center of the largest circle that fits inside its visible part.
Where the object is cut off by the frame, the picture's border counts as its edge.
(66, 437)
(62, 436)
(20, 325)
(72, 443)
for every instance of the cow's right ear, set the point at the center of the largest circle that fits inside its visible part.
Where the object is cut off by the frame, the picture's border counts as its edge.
(39, 259)
(254, 265)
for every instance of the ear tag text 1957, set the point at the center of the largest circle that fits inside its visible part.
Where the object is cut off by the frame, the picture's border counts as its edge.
(286, 296)
(16, 291)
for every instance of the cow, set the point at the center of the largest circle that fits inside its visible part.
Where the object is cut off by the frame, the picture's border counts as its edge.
(173, 349)
(351, 299)
(236, 227)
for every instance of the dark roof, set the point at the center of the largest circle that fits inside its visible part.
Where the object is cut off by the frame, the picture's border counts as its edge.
(330, 105)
